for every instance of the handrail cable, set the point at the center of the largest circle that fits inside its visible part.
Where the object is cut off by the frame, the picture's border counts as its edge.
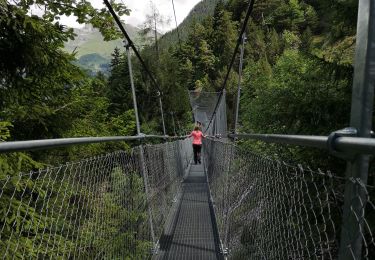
(348, 144)
(239, 40)
(16, 146)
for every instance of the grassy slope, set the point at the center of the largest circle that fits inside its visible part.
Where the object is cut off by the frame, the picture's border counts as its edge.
(93, 63)
(88, 42)
(92, 52)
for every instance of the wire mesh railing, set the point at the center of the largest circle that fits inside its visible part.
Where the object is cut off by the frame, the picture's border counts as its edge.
(267, 209)
(203, 104)
(96, 208)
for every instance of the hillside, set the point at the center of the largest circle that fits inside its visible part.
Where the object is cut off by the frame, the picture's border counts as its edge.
(197, 14)
(92, 52)
(93, 63)
(89, 40)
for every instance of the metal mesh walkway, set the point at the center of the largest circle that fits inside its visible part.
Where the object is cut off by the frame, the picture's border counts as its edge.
(192, 234)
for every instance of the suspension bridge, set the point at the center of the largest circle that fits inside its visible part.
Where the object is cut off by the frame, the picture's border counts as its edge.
(152, 202)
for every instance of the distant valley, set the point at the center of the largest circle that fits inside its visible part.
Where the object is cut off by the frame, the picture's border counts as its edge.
(94, 54)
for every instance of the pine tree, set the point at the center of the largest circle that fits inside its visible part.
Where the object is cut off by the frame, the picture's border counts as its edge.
(224, 36)
(119, 92)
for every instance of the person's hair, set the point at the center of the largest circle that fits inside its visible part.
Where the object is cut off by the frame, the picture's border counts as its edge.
(196, 128)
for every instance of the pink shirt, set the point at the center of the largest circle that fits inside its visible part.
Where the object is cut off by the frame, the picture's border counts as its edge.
(197, 137)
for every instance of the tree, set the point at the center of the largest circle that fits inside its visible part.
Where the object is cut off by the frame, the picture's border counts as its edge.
(119, 90)
(298, 95)
(43, 95)
(33, 70)
(224, 36)
(289, 16)
(124, 201)
(151, 24)
(197, 54)
(36, 76)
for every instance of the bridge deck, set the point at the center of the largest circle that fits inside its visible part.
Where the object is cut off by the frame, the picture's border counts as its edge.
(192, 233)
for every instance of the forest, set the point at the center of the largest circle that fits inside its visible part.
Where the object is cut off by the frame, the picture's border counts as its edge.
(298, 68)
(297, 78)
(297, 73)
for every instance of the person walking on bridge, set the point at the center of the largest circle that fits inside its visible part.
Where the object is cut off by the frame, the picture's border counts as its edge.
(197, 143)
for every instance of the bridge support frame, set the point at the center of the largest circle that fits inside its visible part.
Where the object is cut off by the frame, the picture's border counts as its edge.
(361, 119)
(161, 112)
(141, 154)
(239, 83)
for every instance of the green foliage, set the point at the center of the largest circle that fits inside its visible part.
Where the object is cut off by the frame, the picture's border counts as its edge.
(297, 80)
(125, 210)
(91, 116)
(293, 15)
(274, 46)
(37, 76)
(201, 11)
(291, 40)
(39, 214)
(4, 130)
(15, 213)
(338, 20)
(44, 95)
(281, 32)
(297, 97)
(13, 163)
(32, 71)
(119, 92)
(93, 62)
(34, 202)
(207, 50)
(224, 36)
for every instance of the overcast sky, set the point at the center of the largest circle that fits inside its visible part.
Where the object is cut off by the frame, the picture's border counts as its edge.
(139, 9)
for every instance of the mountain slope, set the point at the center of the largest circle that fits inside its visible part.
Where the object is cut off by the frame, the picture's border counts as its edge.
(92, 52)
(89, 40)
(93, 63)
(198, 13)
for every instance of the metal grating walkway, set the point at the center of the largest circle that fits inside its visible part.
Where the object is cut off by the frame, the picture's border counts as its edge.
(192, 233)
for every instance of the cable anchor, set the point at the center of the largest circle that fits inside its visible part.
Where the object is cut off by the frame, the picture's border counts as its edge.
(127, 44)
(345, 132)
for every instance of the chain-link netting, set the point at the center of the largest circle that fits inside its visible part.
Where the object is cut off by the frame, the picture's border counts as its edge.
(267, 209)
(203, 105)
(96, 208)
(359, 221)
(165, 167)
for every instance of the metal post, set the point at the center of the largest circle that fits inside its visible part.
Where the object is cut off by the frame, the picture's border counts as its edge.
(226, 192)
(361, 119)
(223, 128)
(174, 125)
(132, 86)
(141, 155)
(239, 83)
(147, 191)
(162, 113)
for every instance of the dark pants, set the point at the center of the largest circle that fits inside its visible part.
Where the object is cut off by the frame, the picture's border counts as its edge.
(197, 152)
